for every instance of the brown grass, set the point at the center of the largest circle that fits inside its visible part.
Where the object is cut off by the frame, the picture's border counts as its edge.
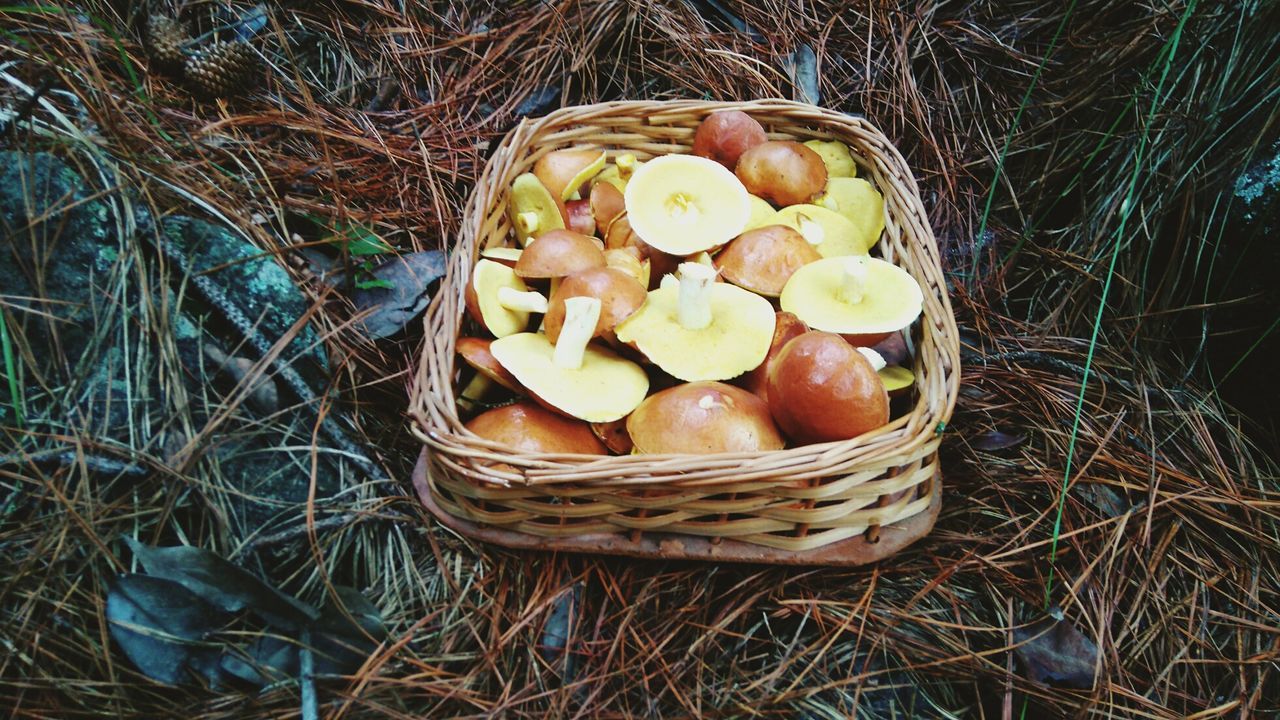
(1169, 541)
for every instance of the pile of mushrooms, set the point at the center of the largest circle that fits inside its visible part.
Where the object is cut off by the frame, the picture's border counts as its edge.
(725, 300)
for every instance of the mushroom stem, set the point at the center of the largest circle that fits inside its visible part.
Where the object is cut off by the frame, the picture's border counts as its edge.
(810, 229)
(555, 285)
(580, 317)
(873, 357)
(527, 222)
(855, 280)
(695, 295)
(476, 389)
(626, 163)
(531, 301)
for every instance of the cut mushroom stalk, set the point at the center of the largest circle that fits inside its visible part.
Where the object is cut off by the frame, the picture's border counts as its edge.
(855, 280)
(580, 316)
(811, 229)
(527, 222)
(530, 301)
(873, 357)
(695, 295)
(479, 386)
(626, 163)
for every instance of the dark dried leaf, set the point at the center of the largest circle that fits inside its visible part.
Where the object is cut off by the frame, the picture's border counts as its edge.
(159, 624)
(804, 64)
(558, 630)
(409, 278)
(1052, 651)
(223, 584)
(539, 101)
(997, 440)
(341, 646)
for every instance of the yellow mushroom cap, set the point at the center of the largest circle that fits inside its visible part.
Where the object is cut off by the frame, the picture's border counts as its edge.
(836, 156)
(830, 233)
(860, 203)
(487, 279)
(605, 387)
(685, 204)
(736, 339)
(532, 209)
(817, 293)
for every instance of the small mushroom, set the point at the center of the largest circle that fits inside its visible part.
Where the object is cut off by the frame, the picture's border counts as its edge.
(620, 235)
(580, 218)
(822, 389)
(619, 293)
(630, 260)
(893, 349)
(475, 352)
(572, 376)
(786, 327)
(723, 136)
(558, 253)
(684, 204)
(836, 156)
(607, 204)
(532, 209)
(618, 174)
(829, 232)
(564, 171)
(782, 172)
(859, 202)
(762, 260)
(528, 428)
(614, 435)
(703, 417)
(498, 299)
(862, 298)
(698, 329)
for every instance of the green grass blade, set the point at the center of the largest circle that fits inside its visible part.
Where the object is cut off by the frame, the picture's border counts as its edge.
(1126, 210)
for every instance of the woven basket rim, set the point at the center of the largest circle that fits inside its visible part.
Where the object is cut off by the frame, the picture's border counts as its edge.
(442, 431)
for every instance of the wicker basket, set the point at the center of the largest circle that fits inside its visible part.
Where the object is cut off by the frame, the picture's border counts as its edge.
(841, 503)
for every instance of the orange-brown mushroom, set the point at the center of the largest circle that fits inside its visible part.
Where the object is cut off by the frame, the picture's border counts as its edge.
(557, 253)
(564, 171)
(703, 417)
(822, 389)
(723, 136)
(786, 327)
(762, 260)
(527, 428)
(620, 295)
(782, 172)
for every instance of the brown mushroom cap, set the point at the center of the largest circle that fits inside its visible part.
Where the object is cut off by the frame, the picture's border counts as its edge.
(822, 389)
(557, 253)
(762, 260)
(528, 428)
(580, 218)
(607, 203)
(782, 172)
(614, 436)
(620, 295)
(723, 136)
(620, 235)
(564, 171)
(703, 417)
(785, 328)
(475, 351)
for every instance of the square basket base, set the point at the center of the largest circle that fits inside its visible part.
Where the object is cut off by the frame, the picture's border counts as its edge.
(667, 546)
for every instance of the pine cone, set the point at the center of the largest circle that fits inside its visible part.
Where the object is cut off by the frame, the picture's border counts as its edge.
(221, 69)
(165, 37)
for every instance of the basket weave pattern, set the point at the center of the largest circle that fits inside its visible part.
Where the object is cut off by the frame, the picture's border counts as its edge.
(792, 500)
